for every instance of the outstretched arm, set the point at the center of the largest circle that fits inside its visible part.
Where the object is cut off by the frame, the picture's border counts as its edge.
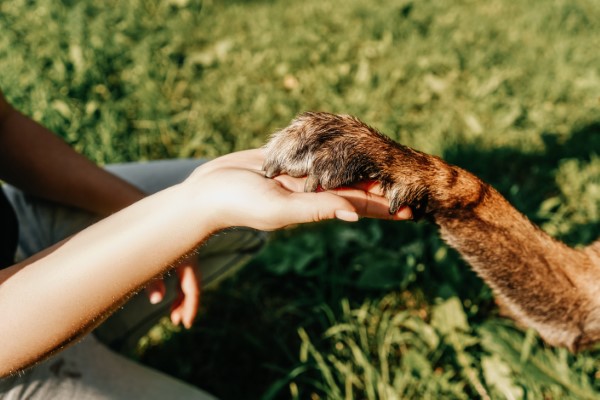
(52, 298)
(545, 284)
(38, 162)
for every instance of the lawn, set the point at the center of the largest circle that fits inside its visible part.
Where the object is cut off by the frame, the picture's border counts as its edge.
(374, 310)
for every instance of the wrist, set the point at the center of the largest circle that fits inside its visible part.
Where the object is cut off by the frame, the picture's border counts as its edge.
(125, 197)
(202, 208)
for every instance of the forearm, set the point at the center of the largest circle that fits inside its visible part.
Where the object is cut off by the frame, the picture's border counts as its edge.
(38, 162)
(47, 301)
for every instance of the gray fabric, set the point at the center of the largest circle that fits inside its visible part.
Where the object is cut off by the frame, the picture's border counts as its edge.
(8, 232)
(89, 369)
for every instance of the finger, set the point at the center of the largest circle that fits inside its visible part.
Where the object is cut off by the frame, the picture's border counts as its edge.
(176, 309)
(156, 291)
(370, 186)
(290, 183)
(357, 201)
(313, 207)
(372, 205)
(299, 185)
(186, 309)
(404, 213)
(345, 204)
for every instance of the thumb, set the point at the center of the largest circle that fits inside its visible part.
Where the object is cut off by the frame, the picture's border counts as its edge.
(345, 215)
(322, 206)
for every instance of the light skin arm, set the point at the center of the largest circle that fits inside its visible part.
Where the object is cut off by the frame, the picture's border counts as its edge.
(47, 301)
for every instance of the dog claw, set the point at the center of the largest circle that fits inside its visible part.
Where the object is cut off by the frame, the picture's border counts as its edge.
(395, 206)
(312, 183)
(271, 171)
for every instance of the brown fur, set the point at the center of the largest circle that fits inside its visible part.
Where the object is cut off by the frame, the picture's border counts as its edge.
(544, 283)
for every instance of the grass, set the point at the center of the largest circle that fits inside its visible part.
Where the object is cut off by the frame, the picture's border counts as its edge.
(373, 310)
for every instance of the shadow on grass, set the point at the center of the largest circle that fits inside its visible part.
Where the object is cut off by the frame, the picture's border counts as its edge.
(527, 179)
(246, 338)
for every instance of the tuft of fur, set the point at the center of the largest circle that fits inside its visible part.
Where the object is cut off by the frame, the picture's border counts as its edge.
(542, 282)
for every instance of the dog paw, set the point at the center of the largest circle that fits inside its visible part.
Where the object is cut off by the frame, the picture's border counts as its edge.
(339, 150)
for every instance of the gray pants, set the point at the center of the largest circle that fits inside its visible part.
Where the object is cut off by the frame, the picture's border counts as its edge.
(89, 369)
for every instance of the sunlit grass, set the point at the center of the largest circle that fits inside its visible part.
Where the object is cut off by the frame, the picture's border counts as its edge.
(509, 90)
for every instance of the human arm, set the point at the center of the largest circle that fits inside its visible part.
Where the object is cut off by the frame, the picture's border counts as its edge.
(54, 297)
(38, 162)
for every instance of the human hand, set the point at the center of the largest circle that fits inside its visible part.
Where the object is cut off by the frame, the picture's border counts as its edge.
(240, 195)
(185, 307)
(339, 150)
(233, 191)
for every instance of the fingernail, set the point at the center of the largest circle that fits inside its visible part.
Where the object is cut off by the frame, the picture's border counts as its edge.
(349, 216)
(155, 298)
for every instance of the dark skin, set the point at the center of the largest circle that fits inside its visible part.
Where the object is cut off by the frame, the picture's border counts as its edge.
(40, 163)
